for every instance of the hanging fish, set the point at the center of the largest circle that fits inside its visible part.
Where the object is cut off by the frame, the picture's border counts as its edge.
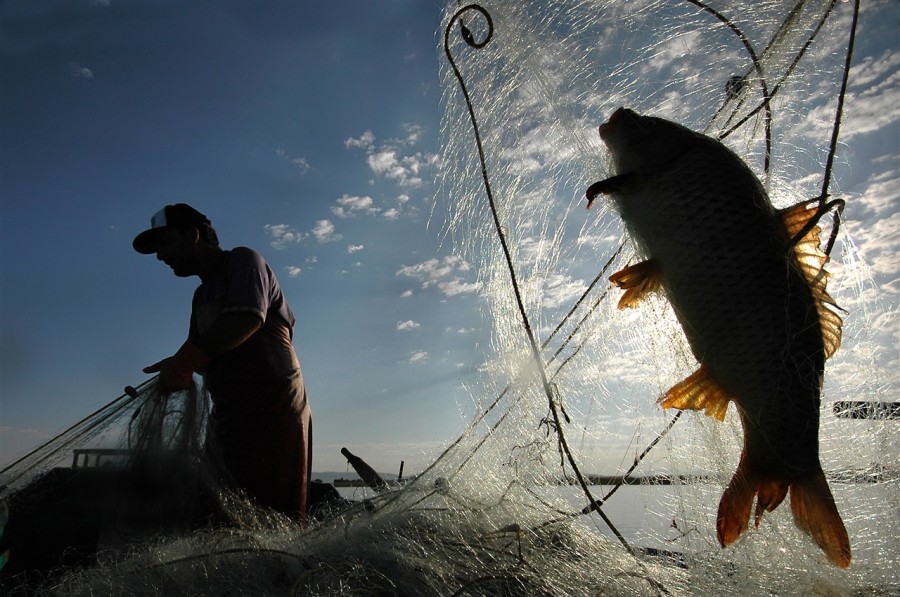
(751, 299)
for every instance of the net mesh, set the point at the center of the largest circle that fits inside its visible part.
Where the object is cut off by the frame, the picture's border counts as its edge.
(528, 501)
(132, 430)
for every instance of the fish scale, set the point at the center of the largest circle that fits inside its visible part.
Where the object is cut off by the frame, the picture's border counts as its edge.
(752, 305)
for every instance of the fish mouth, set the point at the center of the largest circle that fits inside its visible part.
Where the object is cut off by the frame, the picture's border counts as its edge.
(607, 127)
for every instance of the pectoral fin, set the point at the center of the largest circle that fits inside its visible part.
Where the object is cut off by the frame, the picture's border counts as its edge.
(637, 281)
(607, 185)
(811, 262)
(698, 391)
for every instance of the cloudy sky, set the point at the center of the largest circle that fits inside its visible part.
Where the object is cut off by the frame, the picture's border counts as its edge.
(310, 132)
(306, 130)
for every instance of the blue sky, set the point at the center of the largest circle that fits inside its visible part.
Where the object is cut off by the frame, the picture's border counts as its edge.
(306, 130)
(310, 132)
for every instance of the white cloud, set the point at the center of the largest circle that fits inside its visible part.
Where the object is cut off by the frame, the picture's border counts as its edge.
(389, 162)
(364, 141)
(870, 104)
(418, 357)
(874, 108)
(537, 147)
(433, 269)
(406, 294)
(532, 249)
(80, 71)
(283, 235)
(351, 249)
(350, 206)
(300, 163)
(385, 163)
(402, 208)
(409, 324)
(678, 48)
(413, 133)
(457, 286)
(460, 330)
(533, 150)
(293, 271)
(878, 241)
(882, 195)
(561, 290)
(444, 274)
(404, 170)
(324, 232)
(870, 69)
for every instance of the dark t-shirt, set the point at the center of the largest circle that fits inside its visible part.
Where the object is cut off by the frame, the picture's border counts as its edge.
(260, 425)
(244, 282)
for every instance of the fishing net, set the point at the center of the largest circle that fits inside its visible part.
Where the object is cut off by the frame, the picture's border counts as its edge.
(537, 496)
(137, 470)
(131, 430)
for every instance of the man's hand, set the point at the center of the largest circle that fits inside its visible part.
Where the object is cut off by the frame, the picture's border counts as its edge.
(177, 371)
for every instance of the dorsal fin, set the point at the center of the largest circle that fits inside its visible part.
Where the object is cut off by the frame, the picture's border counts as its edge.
(811, 262)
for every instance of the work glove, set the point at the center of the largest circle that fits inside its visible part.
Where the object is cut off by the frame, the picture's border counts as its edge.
(177, 371)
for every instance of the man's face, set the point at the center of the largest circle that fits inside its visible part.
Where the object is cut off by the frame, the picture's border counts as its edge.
(178, 250)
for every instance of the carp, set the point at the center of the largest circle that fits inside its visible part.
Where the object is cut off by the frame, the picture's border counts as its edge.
(747, 284)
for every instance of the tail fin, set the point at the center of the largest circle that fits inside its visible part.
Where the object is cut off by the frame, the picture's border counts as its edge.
(734, 508)
(811, 502)
(815, 512)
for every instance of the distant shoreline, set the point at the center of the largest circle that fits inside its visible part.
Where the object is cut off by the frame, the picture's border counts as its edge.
(853, 477)
(591, 479)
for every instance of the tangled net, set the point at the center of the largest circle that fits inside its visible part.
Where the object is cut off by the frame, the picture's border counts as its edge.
(534, 498)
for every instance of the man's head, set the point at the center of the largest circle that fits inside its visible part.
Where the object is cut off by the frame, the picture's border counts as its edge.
(178, 234)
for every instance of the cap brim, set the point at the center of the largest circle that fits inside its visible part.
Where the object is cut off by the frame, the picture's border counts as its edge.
(145, 242)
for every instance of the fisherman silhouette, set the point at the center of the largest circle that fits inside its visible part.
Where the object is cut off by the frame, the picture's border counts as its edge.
(240, 340)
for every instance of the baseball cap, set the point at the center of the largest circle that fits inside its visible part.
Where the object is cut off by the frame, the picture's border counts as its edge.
(180, 216)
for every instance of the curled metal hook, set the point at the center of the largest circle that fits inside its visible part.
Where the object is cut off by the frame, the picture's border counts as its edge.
(465, 31)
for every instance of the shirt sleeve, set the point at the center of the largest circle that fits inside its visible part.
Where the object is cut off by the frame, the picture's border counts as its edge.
(249, 282)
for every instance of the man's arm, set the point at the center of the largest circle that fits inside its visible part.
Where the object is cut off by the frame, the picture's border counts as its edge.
(227, 332)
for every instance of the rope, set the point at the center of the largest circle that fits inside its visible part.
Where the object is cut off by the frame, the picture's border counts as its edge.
(757, 65)
(536, 354)
(788, 71)
(837, 204)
